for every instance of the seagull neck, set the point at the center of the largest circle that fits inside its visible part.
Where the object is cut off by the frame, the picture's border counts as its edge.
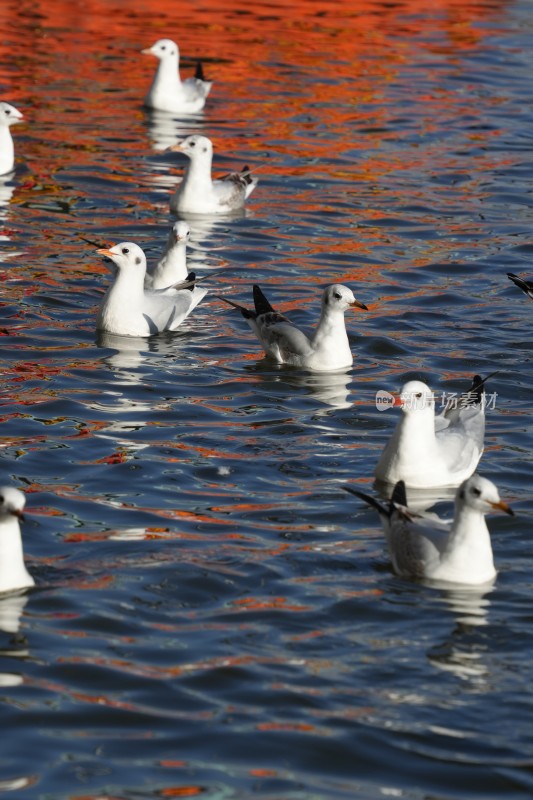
(127, 291)
(331, 323)
(167, 72)
(416, 431)
(469, 541)
(174, 255)
(198, 172)
(172, 267)
(7, 150)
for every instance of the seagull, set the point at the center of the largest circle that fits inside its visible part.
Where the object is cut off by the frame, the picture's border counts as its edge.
(172, 266)
(328, 348)
(13, 573)
(198, 193)
(422, 545)
(128, 309)
(427, 451)
(168, 92)
(9, 115)
(526, 286)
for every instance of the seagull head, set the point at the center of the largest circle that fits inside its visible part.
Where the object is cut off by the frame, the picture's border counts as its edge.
(12, 502)
(9, 115)
(415, 397)
(179, 233)
(481, 494)
(163, 49)
(195, 146)
(126, 256)
(339, 298)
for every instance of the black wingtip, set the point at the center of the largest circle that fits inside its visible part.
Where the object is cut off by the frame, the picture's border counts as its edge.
(191, 277)
(199, 74)
(476, 390)
(399, 494)
(246, 175)
(262, 306)
(366, 498)
(526, 286)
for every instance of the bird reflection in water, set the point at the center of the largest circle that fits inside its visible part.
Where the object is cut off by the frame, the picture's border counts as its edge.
(464, 652)
(330, 388)
(11, 610)
(165, 129)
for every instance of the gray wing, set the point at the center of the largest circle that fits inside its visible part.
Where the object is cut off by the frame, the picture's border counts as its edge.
(280, 338)
(233, 189)
(165, 311)
(193, 88)
(416, 541)
(461, 435)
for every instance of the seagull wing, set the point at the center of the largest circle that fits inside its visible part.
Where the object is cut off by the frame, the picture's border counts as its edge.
(280, 338)
(416, 541)
(526, 286)
(166, 311)
(233, 189)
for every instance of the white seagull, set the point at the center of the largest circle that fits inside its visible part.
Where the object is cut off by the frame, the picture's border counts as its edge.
(13, 572)
(9, 115)
(168, 92)
(422, 545)
(128, 309)
(428, 451)
(198, 193)
(172, 266)
(526, 286)
(326, 350)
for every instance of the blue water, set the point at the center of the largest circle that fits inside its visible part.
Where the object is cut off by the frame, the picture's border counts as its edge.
(214, 616)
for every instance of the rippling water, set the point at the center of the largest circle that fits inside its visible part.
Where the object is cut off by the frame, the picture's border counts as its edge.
(214, 617)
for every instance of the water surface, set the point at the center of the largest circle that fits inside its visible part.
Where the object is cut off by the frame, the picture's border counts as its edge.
(214, 616)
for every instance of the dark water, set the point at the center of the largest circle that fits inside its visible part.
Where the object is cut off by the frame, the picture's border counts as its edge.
(214, 616)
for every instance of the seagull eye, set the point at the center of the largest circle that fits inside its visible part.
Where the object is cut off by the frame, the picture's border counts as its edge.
(476, 492)
(163, 47)
(418, 394)
(8, 111)
(1, 499)
(125, 251)
(337, 295)
(192, 144)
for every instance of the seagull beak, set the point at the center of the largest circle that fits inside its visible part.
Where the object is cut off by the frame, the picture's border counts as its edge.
(176, 148)
(502, 506)
(147, 51)
(397, 402)
(358, 304)
(105, 252)
(16, 512)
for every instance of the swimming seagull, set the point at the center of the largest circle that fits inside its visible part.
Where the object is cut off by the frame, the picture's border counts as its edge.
(526, 286)
(128, 309)
(422, 545)
(9, 115)
(327, 349)
(427, 451)
(168, 92)
(13, 572)
(198, 193)
(172, 266)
